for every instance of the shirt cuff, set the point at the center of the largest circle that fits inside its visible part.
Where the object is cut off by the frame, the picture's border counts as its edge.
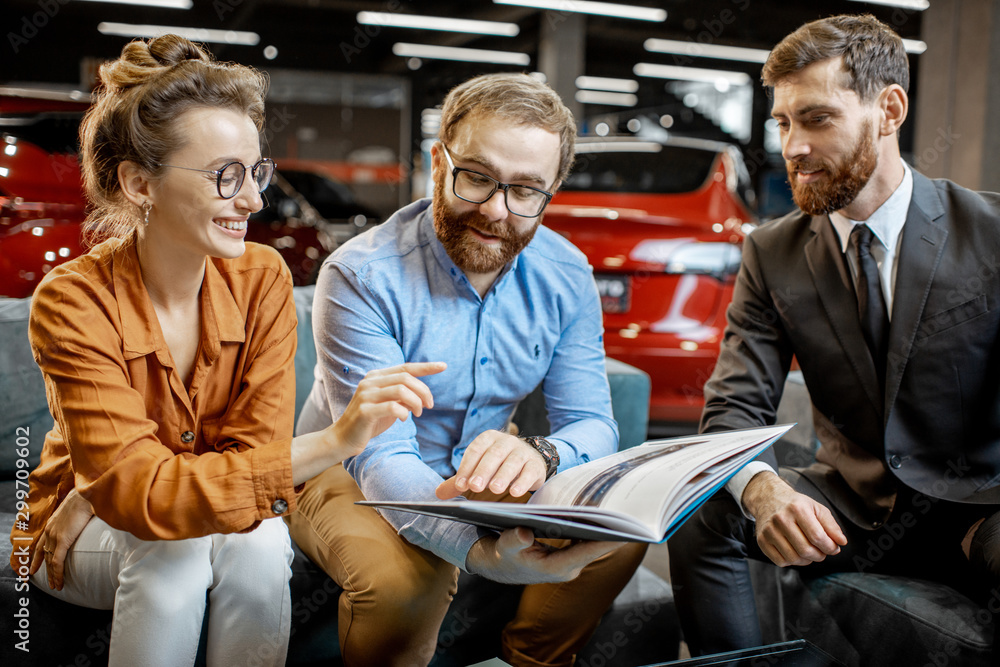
(738, 483)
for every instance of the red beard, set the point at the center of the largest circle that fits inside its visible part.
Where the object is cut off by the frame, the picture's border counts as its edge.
(469, 254)
(843, 182)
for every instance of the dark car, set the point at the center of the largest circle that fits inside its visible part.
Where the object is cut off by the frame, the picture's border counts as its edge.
(662, 223)
(42, 207)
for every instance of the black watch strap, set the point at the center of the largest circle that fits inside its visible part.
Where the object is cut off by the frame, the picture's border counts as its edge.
(548, 452)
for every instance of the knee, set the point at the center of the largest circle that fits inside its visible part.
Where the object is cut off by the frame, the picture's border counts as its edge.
(718, 524)
(400, 591)
(168, 575)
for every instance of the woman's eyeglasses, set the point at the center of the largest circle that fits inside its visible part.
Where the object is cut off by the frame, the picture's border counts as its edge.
(229, 179)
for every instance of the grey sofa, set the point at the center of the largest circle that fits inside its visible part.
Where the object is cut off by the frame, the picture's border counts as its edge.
(864, 618)
(640, 628)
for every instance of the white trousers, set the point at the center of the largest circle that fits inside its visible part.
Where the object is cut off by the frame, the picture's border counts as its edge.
(158, 593)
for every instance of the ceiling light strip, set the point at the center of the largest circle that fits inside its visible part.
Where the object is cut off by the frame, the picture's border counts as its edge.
(588, 7)
(915, 5)
(194, 34)
(700, 50)
(606, 83)
(407, 50)
(159, 4)
(605, 97)
(396, 20)
(690, 73)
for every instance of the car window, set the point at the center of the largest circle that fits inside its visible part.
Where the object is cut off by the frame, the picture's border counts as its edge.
(332, 200)
(649, 168)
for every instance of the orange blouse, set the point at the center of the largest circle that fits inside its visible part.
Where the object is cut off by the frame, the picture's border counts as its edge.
(155, 458)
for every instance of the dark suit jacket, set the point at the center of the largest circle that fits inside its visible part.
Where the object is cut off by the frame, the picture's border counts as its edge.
(939, 430)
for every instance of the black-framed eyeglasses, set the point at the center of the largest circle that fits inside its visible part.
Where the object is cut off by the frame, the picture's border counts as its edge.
(471, 186)
(229, 179)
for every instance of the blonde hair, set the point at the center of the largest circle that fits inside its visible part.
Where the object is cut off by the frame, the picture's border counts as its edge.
(139, 99)
(517, 98)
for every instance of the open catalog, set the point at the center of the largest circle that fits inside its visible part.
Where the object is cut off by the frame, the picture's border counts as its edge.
(641, 494)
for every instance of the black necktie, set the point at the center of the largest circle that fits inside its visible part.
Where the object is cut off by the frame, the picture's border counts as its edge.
(871, 302)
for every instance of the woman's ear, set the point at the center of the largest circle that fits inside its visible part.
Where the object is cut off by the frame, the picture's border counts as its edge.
(135, 183)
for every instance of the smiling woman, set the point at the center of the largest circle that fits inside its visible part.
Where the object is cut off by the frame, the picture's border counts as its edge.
(167, 352)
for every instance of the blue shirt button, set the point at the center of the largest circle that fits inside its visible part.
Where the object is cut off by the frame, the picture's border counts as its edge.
(483, 361)
(474, 411)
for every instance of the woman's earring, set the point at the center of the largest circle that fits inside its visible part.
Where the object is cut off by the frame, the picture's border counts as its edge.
(146, 208)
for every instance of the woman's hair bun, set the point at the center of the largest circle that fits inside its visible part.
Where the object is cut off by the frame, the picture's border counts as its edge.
(141, 60)
(171, 50)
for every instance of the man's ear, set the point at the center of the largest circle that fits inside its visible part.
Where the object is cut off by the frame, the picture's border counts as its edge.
(134, 182)
(893, 104)
(437, 158)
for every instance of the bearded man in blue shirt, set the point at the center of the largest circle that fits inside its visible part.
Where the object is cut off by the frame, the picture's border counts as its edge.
(468, 277)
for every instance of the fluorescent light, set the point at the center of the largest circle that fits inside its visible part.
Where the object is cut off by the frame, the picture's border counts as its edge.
(604, 97)
(618, 147)
(194, 34)
(163, 4)
(407, 50)
(605, 83)
(395, 20)
(691, 73)
(587, 7)
(699, 50)
(916, 5)
(914, 46)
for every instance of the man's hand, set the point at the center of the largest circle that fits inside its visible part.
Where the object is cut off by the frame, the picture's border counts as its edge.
(514, 557)
(496, 461)
(792, 528)
(61, 531)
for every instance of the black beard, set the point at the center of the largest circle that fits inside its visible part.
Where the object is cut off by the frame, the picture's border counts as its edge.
(844, 181)
(468, 254)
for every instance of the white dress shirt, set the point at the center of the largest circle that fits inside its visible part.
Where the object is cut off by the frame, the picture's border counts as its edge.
(886, 224)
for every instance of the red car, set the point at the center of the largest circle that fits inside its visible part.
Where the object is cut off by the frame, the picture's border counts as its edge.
(41, 196)
(662, 223)
(42, 206)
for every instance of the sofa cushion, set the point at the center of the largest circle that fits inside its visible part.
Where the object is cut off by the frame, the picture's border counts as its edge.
(25, 412)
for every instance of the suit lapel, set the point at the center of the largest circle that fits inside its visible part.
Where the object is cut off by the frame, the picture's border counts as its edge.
(835, 288)
(920, 253)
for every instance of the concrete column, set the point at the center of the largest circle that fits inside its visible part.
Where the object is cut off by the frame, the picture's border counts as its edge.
(957, 132)
(561, 54)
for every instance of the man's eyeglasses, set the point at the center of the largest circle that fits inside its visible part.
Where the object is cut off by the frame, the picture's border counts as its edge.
(475, 188)
(229, 179)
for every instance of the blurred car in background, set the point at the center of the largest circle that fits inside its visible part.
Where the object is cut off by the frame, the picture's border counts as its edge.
(41, 196)
(662, 223)
(42, 207)
(307, 214)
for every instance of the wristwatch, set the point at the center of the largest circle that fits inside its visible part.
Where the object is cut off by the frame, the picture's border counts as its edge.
(548, 452)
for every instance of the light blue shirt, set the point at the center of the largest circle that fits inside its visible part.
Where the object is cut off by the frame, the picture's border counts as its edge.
(886, 224)
(393, 295)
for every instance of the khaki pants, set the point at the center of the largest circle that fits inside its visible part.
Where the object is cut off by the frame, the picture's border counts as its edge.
(396, 595)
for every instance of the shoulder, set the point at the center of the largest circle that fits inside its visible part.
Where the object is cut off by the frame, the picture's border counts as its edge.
(392, 241)
(549, 247)
(785, 234)
(959, 200)
(87, 278)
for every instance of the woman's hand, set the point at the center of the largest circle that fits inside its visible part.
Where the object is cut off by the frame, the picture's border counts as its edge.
(382, 397)
(60, 533)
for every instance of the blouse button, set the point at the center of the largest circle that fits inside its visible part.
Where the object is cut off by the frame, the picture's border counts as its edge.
(187, 436)
(279, 506)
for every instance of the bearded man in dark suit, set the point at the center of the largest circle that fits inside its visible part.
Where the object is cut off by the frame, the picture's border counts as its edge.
(885, 287)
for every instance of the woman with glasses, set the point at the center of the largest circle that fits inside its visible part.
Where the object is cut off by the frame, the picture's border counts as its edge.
(167, 353)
